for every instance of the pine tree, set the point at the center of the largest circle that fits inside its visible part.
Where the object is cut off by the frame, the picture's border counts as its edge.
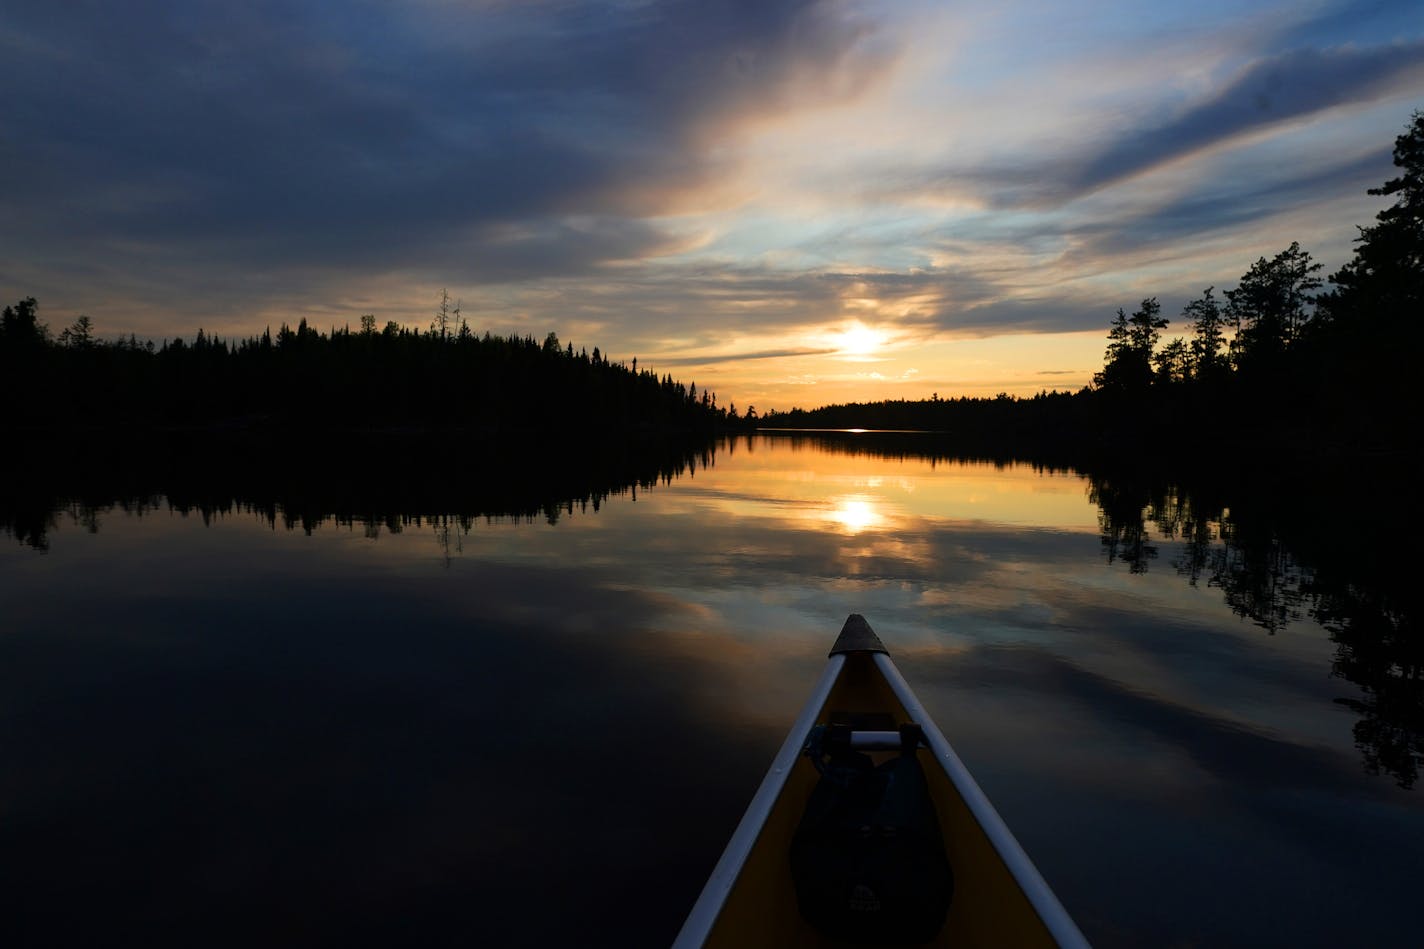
(1208, 335)
(1271, 305)
(1382, 287)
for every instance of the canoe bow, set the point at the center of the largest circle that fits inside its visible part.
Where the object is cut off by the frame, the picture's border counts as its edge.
(1000, 898)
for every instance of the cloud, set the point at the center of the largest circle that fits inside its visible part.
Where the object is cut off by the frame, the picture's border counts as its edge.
(1224, 203)
(274, 137)
(684, 177)
(1333, 23)
(1270, 91)
(718, 359)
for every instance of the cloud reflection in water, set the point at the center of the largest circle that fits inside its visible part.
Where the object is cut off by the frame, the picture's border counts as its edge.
(467, 723)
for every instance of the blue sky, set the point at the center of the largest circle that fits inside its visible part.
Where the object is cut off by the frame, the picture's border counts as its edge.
(792, 202)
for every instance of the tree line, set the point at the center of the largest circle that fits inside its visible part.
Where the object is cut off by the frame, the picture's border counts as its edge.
(446, 376)
(1271, 366)
(1281, 363)
(1287, 355)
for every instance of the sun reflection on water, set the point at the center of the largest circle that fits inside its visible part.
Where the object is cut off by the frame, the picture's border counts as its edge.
(856, 513)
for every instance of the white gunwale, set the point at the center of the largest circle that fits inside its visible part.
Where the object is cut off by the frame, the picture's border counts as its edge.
(1060, 925)
(714, 895)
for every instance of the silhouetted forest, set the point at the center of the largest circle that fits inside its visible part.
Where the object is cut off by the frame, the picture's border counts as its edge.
(1272, 369)
(1050, 423)
(305, 380)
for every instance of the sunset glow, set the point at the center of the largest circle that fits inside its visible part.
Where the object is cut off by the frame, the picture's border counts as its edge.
(790, 203)
(860, 340)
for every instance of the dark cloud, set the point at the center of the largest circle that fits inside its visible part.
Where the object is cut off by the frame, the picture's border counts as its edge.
(1270, 91)
(217, 160)
(1050, 312)
(988, 302)
(1224, 204)
(1352, 21)
(741, 357)
(984, 301)
(281, 135)
(748, 299)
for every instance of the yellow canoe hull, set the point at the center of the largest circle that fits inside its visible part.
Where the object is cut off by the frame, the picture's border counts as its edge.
(999, 898)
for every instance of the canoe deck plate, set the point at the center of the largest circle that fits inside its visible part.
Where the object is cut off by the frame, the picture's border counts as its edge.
(857, 636)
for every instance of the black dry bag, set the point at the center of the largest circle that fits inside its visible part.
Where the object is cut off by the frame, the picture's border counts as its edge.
(867, 858)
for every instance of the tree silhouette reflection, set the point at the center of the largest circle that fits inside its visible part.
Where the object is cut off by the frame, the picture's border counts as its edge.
(1279, 552)
(1250, 553)
(303, 486)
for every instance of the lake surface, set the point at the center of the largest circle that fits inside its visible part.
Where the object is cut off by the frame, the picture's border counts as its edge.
(234, 722)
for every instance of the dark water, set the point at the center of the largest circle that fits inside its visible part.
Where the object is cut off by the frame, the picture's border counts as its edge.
(247, 715)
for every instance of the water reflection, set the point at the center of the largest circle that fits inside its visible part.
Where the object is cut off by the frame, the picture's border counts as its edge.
(1278, 552)
(420, 688)
(1246, 550)
(856, 513)
(389, 483)
(355, 760)
(1248, 553)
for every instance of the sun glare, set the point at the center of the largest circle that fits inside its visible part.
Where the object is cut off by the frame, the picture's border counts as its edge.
(857, 339)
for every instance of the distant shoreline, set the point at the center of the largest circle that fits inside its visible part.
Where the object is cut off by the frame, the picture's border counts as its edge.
(856, 431)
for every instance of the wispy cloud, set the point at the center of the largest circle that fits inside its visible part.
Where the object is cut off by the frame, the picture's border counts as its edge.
(714, 359)
(1270, 91)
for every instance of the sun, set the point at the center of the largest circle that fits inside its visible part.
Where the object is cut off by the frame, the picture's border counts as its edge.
(857, 339)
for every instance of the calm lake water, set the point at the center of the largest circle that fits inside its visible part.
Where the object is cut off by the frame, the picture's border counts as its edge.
(249, 726)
